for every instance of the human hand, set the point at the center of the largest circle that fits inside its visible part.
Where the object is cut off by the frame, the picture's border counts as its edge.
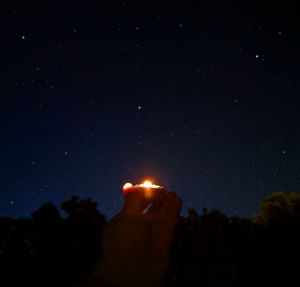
(136, 242)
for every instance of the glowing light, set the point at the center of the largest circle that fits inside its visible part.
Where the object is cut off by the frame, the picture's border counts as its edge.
(148, 184)
(127, 185)
(146, 188)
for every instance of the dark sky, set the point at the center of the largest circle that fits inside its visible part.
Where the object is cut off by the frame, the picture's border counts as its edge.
(201, 97)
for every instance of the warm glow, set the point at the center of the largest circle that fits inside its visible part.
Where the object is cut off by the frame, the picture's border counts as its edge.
(148, 184)
(127, 185)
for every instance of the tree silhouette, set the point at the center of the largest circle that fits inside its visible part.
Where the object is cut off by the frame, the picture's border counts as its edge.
(209, 248)
(82, 232)
(279, 208)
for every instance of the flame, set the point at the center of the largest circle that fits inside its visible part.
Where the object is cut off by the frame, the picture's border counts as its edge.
(148, 184)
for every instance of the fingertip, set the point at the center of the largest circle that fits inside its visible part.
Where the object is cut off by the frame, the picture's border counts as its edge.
(178, 204)
(175, 205)
(159, 194)
(171, 195)
(129, 190)
(135, 203)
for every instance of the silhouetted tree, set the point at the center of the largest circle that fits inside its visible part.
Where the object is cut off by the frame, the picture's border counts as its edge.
(209, 249)
(83, 231)
(279, 208)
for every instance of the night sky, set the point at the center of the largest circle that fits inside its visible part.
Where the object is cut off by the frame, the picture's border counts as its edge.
(202, 98)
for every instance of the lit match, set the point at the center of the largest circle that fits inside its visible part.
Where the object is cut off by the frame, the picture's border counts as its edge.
(146, 184)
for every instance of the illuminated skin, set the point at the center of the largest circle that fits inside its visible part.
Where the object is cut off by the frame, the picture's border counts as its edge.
(136, 241)
(127, 186)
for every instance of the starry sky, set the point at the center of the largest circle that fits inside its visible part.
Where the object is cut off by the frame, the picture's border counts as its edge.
(201, 97)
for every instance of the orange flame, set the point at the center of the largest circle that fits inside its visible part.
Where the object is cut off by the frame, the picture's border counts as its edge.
(146, 184)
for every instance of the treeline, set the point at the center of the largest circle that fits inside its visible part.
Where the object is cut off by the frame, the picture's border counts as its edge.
(209, 249)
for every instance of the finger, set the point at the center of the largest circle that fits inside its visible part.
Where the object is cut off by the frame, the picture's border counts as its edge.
(165, 229)
(167, 200)
(172, 214)
(159, 194)
(135, 202)
(158, 198)
(167, 220)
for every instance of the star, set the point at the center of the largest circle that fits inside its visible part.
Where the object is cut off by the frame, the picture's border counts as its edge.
(155, 83)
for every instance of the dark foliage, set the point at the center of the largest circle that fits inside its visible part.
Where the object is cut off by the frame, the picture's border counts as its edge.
(49, 250)
(209, 249)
